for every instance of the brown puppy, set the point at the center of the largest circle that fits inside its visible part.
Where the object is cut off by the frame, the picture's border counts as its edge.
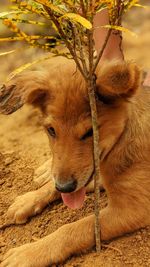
(124, 125)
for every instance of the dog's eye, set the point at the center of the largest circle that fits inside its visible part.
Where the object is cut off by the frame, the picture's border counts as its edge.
(88, 134)
(51, 131)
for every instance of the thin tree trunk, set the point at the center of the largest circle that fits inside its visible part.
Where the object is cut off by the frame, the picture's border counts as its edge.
(96, 153)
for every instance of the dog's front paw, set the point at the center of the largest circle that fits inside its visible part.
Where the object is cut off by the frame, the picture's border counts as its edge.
(42, 174)
(25, 206)
(42, 253)
(29, 255)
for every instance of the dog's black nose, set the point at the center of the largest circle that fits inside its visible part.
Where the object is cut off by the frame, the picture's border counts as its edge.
(66, 187)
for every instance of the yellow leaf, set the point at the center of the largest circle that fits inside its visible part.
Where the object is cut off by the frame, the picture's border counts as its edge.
(79, 19)
(119, 28)
(51, 6)
(28, 21)
(4, 14)
(7, 53)
(25, 8)
(138, 5)
(69, 3)
(100, 9)
(28, 65)
(11, 39)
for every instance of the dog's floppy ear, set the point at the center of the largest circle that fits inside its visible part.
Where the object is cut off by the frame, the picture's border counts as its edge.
(29, 87)
(117, 79)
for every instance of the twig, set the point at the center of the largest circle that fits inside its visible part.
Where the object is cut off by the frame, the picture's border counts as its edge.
(83, 8)
(112, 248)
(91, 93)
(77, 38)
(68, 44)
(120, 5)
(102, 49)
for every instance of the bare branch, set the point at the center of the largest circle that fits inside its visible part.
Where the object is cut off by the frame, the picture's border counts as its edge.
(91, 93)
(68, 44)
(83, 8)
(102, 49)
(78, 39)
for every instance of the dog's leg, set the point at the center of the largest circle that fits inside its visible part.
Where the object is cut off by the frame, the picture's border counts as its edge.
(31, 203)
(34, 202)
(42, 174)
(74, 238)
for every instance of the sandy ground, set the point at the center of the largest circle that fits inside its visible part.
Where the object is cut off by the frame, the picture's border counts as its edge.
(24, 146)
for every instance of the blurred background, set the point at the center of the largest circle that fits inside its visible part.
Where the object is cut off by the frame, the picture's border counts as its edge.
(135, 48)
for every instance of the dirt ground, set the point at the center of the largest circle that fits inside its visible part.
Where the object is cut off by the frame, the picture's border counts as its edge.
(24, 146)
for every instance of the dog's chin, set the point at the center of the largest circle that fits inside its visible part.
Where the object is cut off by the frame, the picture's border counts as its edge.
(75, 199)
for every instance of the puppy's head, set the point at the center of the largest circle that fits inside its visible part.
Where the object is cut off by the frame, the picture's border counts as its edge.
(61, 94)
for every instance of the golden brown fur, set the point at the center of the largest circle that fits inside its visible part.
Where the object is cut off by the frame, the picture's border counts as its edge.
(124, 127)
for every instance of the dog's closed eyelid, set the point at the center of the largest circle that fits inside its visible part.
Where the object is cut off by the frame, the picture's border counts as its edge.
(88, 134)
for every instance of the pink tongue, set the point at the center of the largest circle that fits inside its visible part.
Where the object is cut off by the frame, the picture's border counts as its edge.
(74, 200)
